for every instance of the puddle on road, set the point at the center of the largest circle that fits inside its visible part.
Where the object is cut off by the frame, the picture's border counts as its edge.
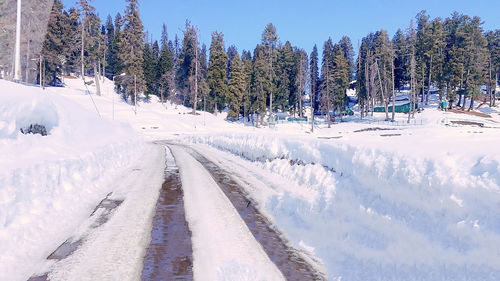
(169, 255)
(104, 210)
(286, 258)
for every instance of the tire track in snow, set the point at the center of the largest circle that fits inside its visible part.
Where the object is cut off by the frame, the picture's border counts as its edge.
(170, 254)
(286, 258)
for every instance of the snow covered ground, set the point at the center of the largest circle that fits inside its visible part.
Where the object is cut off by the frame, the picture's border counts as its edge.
(50, 184)
(370, 200)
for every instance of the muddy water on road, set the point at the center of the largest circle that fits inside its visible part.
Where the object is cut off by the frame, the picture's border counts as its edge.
(169, 255)
(286, 258)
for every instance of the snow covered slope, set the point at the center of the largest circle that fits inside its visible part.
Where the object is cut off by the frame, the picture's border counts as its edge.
(49, 184)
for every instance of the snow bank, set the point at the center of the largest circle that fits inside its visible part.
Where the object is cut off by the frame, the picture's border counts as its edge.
(48, 185)
(375, 213)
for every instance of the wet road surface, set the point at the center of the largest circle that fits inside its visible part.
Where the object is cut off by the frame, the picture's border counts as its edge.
(286, 258)
(169, 255)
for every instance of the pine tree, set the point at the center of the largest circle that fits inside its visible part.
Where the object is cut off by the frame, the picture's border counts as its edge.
(493, 38)
(236, 87)
(187, 61)
(269, 41)
(314, 80)
(110, 55)
(86, 12)
(301, 62)
(476, 59)
(341, 77)
(149, 69)
(131, 51)
(216, 76)
(284, 70)
(114, 63)
(231, 52)
(203, 89)
(92, 42)
(72, 38)
(400, 59)
(362, 78)
(54, 44)
(348, 50)
(246, 58)
(165, 67)
(261, 82)
(327, 79)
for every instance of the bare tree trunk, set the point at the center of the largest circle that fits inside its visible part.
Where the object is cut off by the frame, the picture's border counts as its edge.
(312, 118)
(460, 90)
(495, 87)
(82, 51)
(466, 88)
(413, 94)
(471, 106)
(43, 75)
(490, 83)
(103, 73)
(423, 89)
(393, 91)
(96, 78)
(382, 92)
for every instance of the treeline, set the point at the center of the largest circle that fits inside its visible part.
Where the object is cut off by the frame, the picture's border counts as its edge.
(77, 42)
(454, 55)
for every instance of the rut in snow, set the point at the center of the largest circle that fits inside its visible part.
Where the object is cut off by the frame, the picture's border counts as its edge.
(286, 258)
(169, 255)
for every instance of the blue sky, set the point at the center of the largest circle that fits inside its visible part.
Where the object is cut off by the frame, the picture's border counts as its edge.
(303, 23)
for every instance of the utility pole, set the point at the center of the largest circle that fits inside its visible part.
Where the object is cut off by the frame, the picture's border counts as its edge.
(17, 64)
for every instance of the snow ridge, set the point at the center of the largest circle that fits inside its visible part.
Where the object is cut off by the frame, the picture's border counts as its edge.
(389, 215)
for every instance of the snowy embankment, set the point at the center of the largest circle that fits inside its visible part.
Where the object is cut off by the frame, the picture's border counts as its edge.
(50, 184)
(381, 211)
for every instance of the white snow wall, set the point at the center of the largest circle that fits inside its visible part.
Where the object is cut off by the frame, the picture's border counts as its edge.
(395, 215)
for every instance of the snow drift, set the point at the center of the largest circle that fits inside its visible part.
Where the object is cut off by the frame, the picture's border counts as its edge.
(48, 184)
(381, 214)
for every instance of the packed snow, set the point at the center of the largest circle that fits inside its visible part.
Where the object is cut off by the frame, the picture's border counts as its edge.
(363, 200)
(115, 250)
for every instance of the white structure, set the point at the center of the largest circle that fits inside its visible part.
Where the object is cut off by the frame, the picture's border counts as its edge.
(17, 64)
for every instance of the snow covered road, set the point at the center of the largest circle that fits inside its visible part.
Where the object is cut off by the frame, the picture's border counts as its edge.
(115, 249)
(223, 247)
